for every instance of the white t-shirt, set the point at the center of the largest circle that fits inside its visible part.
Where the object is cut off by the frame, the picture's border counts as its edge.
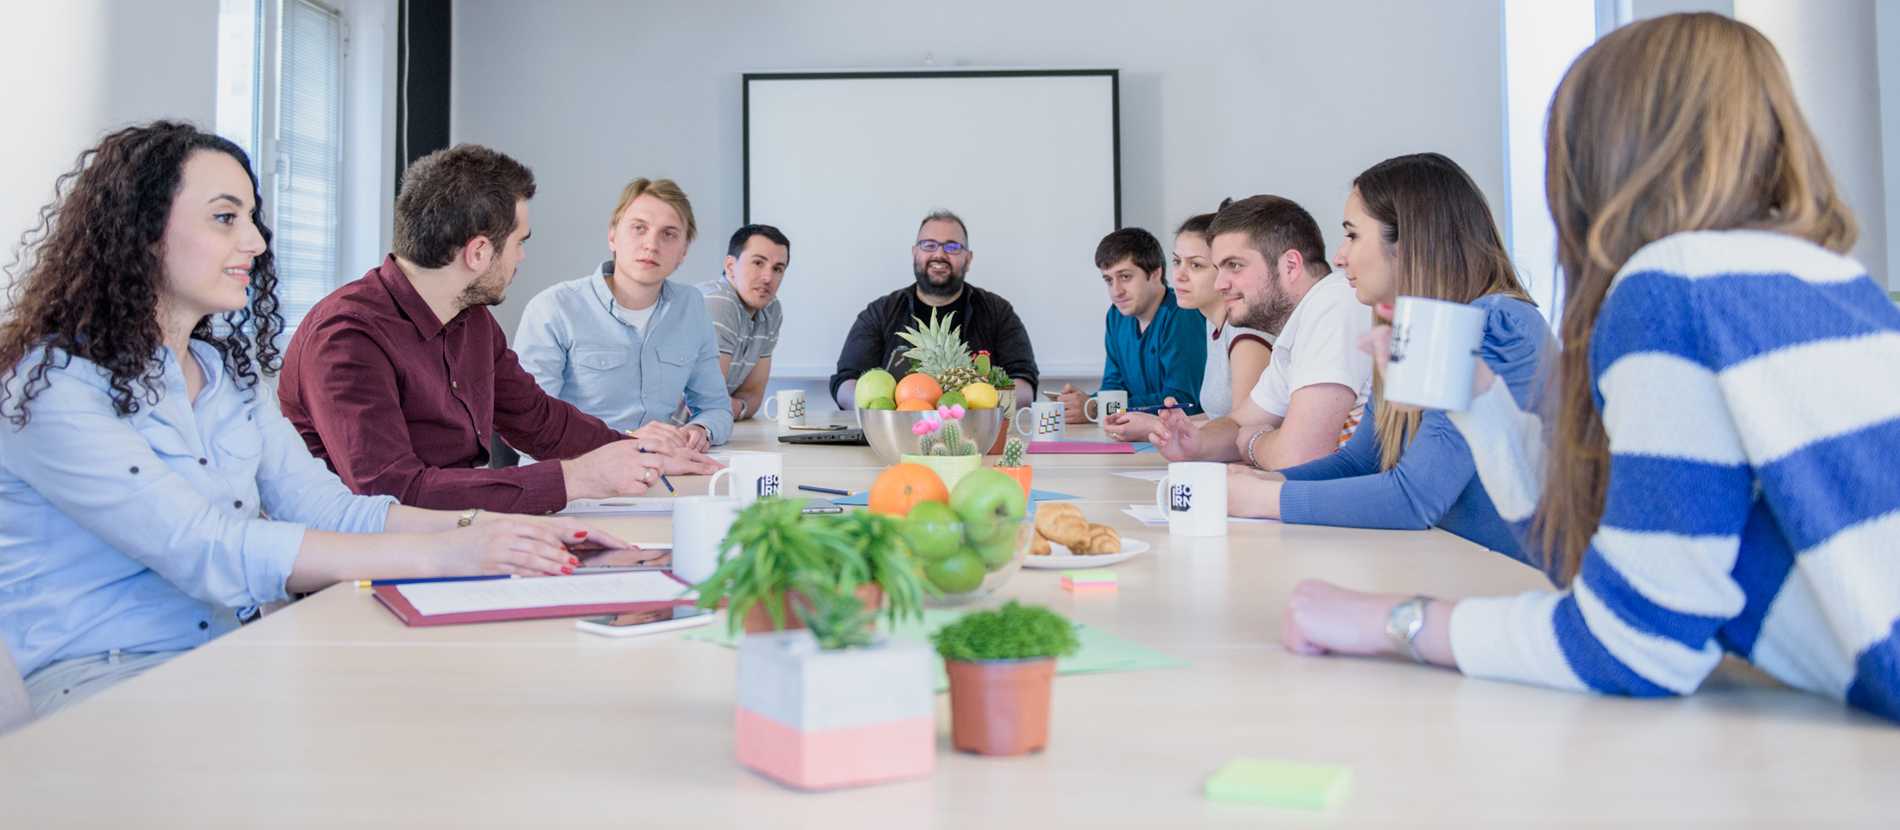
(1320, 344)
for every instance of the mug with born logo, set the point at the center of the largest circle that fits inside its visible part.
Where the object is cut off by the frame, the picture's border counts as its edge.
(1105, 403)
(754, 475)
(1194, 498)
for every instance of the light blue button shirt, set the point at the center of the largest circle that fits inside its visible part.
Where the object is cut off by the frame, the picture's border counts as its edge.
(581, 352)
(142, 533)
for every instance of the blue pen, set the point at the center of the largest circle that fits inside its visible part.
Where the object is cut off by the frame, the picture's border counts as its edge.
(669, 484)
(1157, 408)
(365, 583)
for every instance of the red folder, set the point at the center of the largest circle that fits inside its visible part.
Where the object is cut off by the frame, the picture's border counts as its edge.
(1080, 447)
(399, 605)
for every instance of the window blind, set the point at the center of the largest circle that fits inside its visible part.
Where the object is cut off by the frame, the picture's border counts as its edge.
(309, 155)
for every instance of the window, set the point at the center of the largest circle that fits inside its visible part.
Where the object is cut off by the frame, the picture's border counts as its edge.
(280, 97)
(1541, 39)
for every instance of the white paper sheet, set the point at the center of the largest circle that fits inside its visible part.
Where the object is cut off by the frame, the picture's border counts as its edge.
(1149, 514)
(619, 505)
(1146, 475)
(432, 598)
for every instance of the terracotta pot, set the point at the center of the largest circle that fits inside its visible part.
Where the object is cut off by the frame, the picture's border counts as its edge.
(1023, 476)
(1000, 707)
(758, 619)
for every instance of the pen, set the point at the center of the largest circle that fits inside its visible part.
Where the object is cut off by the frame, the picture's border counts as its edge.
(365, 583)
(827, 490)
(663, 480)
(1157, 407)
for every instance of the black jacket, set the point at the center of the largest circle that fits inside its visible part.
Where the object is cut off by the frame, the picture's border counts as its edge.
(987, 322)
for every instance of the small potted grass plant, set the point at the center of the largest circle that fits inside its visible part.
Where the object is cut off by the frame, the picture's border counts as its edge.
(943, 447)
(1002, 667)
(1014, 465)
(773, 549)
(835, 705)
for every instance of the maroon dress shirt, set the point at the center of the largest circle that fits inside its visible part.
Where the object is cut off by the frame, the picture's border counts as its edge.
(399, 404)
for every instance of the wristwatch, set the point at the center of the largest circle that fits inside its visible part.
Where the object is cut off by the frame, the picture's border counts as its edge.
(468, 517)
(1404, 623)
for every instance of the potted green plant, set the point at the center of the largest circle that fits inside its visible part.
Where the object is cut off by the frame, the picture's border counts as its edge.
(773, 548)
(835, 705)
(1013, 464)
(944, 449)
(1002, 666)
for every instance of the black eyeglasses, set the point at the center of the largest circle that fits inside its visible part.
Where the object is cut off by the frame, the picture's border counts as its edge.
(930, 246)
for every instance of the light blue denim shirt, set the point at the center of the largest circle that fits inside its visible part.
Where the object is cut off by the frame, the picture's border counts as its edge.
(580, 352)
(142, 533)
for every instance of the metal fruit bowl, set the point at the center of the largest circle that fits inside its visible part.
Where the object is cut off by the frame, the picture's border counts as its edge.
(888, 431)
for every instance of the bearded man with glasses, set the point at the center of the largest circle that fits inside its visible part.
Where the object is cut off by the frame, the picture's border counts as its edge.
(939, 259)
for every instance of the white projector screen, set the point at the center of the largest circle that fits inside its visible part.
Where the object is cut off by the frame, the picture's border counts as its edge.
(848, 163)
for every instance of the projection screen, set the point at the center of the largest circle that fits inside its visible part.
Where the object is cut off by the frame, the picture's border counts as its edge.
(848, 163)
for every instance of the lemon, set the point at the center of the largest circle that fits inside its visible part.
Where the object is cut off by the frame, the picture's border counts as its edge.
(979, 395)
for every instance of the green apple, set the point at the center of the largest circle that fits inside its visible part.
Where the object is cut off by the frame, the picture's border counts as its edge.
(990, 503)
(875, 384)
(881, 403)
(932, 531)
(999, 546)
(960, 574)
(953, 399)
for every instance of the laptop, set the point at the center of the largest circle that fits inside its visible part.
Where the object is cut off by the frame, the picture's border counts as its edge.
(843, 435)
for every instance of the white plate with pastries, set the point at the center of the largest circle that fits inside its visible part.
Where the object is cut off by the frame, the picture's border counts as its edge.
(1060, 557)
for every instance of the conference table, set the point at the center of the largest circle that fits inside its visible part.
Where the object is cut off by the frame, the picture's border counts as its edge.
(331, 713)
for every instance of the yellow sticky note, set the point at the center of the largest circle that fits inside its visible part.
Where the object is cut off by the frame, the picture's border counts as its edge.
(1282, 783)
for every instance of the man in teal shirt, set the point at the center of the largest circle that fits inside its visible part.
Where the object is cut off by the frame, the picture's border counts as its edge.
(1156, 349)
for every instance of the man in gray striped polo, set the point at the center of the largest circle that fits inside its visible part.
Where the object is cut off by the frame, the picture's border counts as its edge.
(745, 312)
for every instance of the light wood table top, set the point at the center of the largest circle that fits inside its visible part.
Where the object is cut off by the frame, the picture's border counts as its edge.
(332, 713)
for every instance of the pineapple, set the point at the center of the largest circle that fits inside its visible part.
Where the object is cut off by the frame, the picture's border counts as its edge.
(938, 351)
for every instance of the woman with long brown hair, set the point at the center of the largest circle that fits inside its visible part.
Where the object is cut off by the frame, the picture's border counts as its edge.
(149, 485)
(1724, 469)
(1416, 226)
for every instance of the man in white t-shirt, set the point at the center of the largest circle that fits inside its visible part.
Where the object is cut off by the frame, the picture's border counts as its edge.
(1272, 269)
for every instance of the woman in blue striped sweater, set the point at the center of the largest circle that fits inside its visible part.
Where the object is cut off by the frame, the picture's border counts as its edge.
(1723, 468)
(1415, 225)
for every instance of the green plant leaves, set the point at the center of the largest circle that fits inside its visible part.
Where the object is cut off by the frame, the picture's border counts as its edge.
(1012, 632)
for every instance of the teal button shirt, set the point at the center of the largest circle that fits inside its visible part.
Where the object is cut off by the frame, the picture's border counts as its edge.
(1166, 361)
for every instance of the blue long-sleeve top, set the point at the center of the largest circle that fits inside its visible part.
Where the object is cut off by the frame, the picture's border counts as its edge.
(1435, 483)
(1166, 361)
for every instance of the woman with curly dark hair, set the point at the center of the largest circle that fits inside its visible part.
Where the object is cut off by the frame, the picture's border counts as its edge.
(149, 485)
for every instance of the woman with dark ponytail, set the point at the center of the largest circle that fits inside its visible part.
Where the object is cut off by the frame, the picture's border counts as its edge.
(152, 496)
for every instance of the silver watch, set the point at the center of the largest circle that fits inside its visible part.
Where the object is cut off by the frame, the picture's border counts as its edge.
(1404, 623)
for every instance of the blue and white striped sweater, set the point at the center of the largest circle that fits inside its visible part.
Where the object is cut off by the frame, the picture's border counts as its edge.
(1749, 384)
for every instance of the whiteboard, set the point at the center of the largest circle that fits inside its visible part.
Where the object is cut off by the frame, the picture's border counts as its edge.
(848, 163)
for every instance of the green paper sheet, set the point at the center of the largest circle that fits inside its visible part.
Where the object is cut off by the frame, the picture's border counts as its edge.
(1281, 783)
(1100, 651)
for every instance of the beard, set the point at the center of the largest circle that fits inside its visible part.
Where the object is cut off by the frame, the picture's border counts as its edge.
(1269, 313)
(488, 289)
(950, 287)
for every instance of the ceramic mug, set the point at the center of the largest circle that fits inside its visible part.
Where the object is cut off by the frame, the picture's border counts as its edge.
(1433, 356)
(1045, 421)
(1105, 403)
(754, 475)
(791, 408)
(700, 524)
(1193, 496)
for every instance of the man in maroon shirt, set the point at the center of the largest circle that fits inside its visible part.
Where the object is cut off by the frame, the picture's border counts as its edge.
(395, 379)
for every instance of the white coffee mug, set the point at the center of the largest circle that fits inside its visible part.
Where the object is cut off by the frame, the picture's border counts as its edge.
(700, 524)
(753, 475)
(1105, 403)
(1194, 498)
(1434, 348)
(1045, 421)
(791, 408)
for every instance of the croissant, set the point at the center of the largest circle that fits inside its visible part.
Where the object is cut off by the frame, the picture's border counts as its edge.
(1062, 524)
(1040, 545)
(1100, 539)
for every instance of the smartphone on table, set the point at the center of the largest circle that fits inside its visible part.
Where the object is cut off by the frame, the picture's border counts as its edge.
(636, 623)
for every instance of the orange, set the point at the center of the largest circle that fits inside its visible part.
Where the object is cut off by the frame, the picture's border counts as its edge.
(918, 386)
(903, 486)
(914, 405)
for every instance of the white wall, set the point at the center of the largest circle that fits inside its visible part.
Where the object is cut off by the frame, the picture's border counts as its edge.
(1218, 99)
(70, 71)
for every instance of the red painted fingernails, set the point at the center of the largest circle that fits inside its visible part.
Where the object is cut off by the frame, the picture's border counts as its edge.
(568, 569)
(580, 534)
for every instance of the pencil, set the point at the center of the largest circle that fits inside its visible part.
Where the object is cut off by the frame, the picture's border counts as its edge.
(663, 479)
(365, 583)
(826, 490)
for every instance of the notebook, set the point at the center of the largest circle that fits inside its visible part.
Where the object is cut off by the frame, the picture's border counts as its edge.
(533, 598)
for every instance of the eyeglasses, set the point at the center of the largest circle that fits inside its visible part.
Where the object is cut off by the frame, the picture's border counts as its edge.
(930, 246)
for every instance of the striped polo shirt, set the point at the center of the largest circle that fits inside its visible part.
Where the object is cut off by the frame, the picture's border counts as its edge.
(744, 335)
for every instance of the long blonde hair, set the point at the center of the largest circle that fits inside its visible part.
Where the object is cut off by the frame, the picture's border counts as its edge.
(1447, 247)
(1678, 123)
